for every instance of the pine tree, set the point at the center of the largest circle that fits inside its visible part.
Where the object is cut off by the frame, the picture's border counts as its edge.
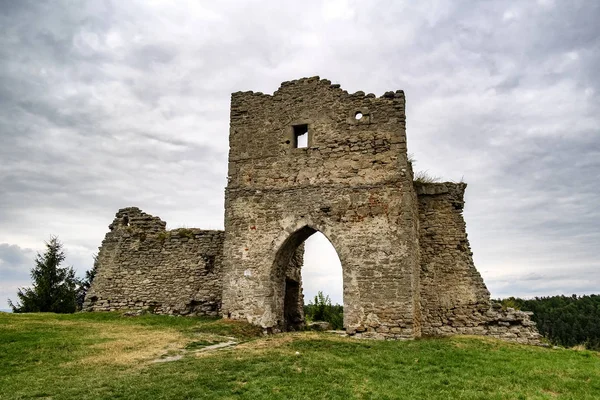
(53, 288)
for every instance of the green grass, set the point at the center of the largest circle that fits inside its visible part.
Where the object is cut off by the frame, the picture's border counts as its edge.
(108, 356)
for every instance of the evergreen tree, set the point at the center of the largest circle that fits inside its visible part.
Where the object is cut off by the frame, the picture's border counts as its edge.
(54, 288)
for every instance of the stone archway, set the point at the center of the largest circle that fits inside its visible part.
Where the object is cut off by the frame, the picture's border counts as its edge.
(287, 276)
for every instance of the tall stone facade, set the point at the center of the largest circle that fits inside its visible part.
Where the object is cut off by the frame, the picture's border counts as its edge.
(351, 182)
(312, 157)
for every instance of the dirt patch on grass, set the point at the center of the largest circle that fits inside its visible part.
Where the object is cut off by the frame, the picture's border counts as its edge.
(124, 345)
(239, 329)
(267, 343)
(550, 392)
(282, 339)
(7, 327)
(471, 341)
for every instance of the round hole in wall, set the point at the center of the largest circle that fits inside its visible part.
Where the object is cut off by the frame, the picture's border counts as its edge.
(287, 142)
(358, 115)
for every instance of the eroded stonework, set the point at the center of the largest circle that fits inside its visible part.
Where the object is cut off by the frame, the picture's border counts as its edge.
(141, 265)
(407, 265)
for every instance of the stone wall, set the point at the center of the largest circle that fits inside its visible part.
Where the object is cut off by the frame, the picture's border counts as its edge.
(454, 298)
(141, 265)
(451, 287)
(351, 183)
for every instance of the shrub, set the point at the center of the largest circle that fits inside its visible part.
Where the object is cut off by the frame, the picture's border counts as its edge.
(321, 309)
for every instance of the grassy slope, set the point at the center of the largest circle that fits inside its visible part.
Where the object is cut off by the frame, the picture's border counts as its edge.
(109, 356)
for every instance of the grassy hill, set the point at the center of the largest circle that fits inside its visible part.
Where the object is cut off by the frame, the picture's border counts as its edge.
(110, 356)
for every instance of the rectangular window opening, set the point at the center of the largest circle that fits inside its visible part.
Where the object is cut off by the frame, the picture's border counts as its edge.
(300, 136)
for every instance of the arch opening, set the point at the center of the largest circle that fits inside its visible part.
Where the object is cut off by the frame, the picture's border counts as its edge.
(307, 260)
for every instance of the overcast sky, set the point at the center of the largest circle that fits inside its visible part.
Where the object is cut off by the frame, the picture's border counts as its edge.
(109, 104)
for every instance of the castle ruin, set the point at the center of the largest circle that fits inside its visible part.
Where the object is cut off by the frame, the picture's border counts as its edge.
(312, 157)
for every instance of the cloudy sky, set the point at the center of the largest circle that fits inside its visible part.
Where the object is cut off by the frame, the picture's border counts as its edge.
(108, 104)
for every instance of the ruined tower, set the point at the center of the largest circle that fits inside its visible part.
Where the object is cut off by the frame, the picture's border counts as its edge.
(351, 181)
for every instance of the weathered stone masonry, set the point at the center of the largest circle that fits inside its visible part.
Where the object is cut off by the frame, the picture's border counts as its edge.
(141, 265)
(454, 299)
(407, 264)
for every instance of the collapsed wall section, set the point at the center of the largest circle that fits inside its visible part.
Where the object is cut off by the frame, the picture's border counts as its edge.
(141, 265)
(454, 298)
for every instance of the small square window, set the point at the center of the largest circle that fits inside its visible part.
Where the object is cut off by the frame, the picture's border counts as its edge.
(300, 136)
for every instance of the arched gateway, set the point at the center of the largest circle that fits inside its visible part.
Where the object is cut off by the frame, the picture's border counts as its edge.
(312, 157)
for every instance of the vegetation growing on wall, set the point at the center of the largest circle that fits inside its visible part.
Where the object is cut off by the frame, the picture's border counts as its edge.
(425, 177)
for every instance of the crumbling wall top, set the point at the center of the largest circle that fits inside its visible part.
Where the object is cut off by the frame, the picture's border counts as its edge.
(311, 82)
(454, 190)
(135, 219)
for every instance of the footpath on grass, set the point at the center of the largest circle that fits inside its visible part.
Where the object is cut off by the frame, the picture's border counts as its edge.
(111, 356)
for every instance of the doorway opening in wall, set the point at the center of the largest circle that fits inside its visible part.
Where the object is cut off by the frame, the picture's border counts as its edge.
(322, 282)
(310, 273)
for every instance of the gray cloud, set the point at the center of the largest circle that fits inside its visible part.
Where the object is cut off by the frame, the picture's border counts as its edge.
(578, 279)
(12, 256)
(109, 104)
(15, 263)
